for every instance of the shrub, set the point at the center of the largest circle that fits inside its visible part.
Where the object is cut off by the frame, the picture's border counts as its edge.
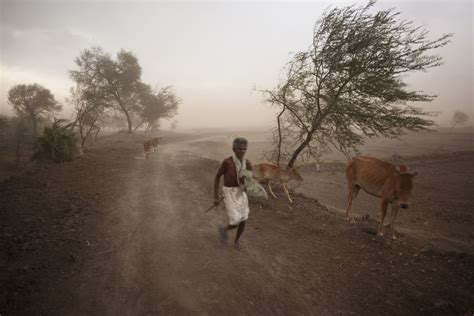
(58, 143)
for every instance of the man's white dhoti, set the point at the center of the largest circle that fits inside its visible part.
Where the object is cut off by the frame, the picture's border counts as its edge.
(236, 203)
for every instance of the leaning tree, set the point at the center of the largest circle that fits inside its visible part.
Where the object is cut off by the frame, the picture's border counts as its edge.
(113, 81)
(350, 83)
(103, 83)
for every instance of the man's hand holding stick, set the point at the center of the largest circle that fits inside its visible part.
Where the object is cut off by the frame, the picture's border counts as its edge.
(216, 203)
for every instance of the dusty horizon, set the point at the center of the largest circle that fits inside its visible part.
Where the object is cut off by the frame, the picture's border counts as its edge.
(215, 55)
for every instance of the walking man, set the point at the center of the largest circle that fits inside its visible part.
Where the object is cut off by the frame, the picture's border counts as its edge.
(236, 170)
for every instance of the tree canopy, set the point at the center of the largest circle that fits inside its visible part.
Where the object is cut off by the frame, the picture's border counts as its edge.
(32, 101)
(459, 118)
(350, 83)
(158, 105)
(107, 83)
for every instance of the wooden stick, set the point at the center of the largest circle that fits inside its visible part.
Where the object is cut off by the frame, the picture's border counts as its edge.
(213, 205)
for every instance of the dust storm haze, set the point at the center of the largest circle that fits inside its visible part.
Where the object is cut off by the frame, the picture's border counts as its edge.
(125, 228)
(214, 54)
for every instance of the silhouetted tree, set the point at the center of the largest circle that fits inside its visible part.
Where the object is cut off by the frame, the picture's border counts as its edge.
(33, 102)
(158, 105)
(114, 82)
(349, 83)
(90, 113)
(459, 118)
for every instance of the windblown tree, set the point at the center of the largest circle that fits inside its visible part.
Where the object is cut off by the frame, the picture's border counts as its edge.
(106, 84)
(349, 83)
(113, 82)
(33, 102)
(90, 113)
(158, 105)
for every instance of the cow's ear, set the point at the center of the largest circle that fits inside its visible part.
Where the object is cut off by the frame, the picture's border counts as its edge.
(402, 169)
(398, 170)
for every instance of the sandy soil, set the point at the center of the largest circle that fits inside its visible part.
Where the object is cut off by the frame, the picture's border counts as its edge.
(114, 233)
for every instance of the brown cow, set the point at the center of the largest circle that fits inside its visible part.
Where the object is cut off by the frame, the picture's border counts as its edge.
(272, 172)
(151, 146)
(147, 146)
(392, 183)
(155, 141)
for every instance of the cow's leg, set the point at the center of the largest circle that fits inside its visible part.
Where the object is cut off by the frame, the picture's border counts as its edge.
(384, 212)
(353, 191)
(287, 193)
(270, 188)
(394, 216)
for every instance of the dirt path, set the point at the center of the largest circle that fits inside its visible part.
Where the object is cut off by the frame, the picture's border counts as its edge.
(149, 249)
(166, 257)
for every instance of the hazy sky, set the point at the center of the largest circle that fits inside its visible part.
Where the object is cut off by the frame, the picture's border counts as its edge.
(212, 53)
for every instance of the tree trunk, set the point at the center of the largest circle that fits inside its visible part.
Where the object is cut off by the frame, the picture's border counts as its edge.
(97, 133)
(19, 135)
(300, 149)
(279, 136)
(35, 126)
(138, 126)
(127, 115)
(124, 110)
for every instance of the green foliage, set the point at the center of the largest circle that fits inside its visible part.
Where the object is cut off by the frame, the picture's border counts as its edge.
(58, 144)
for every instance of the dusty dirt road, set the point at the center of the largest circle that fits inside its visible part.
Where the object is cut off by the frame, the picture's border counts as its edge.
(145, 247)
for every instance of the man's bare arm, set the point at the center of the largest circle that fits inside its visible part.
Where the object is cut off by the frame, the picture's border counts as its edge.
(219, 174)
(249, 165)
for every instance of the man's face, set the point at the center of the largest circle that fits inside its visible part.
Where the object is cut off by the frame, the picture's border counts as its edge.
(240, 151)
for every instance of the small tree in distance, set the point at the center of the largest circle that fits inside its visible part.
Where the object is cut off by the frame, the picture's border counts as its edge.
(459, 118)
(33, 102)
(162, 104)
(349, 83)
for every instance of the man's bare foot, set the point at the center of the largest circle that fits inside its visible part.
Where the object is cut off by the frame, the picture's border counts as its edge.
(223, 234)
(239, 246)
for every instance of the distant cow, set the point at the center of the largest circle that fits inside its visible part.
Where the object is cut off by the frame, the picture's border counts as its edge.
(155, 141)
(147, 145)
(150, 146)
(392, 183)
(272, 172)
